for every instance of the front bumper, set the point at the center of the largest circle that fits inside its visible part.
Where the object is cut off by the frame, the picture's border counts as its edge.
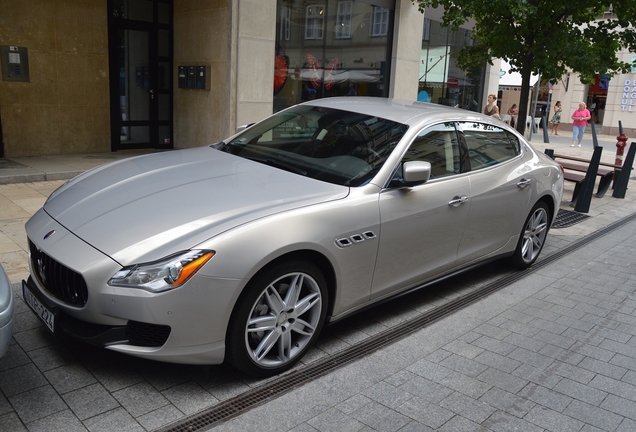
(184, 325)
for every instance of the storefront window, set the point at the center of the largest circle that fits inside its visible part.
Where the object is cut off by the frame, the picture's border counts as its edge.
(335, 48)
(441, 81)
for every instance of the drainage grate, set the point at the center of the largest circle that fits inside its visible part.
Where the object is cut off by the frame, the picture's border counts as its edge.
(290, 381)
(566, 218)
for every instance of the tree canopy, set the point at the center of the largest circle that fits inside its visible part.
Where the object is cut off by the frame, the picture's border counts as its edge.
(550, 37)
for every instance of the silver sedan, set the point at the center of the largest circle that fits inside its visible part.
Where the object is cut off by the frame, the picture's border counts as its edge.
(6, 312)
(241, 251)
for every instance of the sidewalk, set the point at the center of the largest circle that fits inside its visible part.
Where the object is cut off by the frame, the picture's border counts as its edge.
(553, 351)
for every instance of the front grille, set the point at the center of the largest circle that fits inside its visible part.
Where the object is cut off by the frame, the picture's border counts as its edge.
(60, 281)
(147, 335)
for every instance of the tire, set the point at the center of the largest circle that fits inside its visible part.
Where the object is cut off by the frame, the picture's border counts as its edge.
(273, 326)
(532, 237)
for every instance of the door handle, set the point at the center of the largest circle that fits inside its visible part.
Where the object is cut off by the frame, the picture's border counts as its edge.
(457, 201)
(524, 182)
(152, 93)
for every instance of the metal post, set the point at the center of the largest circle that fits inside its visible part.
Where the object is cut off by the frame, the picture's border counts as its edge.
(621, 143)
(620, 186)
(584, 199)
(594, 137)
(544, 125)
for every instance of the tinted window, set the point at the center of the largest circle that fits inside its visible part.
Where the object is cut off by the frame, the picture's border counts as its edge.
(437, 145)
(488, 145)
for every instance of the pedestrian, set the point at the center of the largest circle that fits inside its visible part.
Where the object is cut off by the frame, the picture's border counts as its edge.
(491, 109)
(513, 112)
(580, 118)
(556, 118)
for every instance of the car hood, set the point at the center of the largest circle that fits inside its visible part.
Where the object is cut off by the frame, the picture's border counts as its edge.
(148, 206)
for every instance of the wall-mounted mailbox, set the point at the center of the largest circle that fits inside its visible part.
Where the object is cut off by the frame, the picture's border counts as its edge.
(15, 63)
(182, 77)
(203, 77)
(194, 77)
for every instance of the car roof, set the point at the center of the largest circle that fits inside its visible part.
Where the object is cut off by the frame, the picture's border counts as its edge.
(399, 110)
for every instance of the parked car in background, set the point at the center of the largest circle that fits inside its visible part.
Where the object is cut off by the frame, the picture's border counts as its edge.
(6, 312)
(241, 251)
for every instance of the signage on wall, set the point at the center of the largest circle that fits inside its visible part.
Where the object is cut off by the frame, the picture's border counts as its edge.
(629, 96)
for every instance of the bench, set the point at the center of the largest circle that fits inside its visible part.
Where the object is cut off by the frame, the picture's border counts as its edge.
(606, 172)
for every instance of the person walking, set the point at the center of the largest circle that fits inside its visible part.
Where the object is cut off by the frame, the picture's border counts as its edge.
(491, 109)
(556, 118)
(513, 112)
(580, 118)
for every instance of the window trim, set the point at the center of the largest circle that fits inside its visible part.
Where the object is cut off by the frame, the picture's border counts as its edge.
(314, 21)
(344, 19)
(379, 21)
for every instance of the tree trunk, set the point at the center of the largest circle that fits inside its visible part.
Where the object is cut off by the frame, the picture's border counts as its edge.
(526, 72)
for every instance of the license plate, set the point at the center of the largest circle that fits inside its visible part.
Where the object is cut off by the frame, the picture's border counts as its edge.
(47, 317)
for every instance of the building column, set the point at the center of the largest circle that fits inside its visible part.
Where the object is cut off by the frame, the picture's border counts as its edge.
(407, 47)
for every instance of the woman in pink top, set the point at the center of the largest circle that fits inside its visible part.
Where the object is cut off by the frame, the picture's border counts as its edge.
(580, 118)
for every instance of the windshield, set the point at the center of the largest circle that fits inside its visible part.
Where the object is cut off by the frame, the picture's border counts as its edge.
(335, 146)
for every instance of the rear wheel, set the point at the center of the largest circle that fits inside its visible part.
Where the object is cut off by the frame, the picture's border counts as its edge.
(277, 318)
(532, 237)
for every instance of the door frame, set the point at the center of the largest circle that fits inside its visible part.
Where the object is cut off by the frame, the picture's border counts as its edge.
(115, 24)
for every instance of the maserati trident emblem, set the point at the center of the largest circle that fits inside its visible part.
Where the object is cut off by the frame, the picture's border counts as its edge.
(49, 234)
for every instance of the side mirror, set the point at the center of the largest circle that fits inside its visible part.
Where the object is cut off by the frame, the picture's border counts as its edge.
(241, 128)
(416, 172)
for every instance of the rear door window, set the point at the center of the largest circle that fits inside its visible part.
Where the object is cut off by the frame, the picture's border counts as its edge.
(488, 145)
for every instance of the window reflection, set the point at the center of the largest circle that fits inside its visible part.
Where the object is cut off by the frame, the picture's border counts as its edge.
(441, 81)
(334, 48)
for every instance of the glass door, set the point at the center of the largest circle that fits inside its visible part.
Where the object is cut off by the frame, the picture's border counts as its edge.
(140, 59)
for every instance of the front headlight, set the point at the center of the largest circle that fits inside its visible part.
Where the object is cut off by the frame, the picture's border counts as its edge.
(162, 275)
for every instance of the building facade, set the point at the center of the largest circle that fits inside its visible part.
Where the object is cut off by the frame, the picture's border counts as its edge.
(84, 76)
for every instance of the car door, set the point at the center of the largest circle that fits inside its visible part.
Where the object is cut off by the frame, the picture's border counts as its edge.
(500, 189)
(422, 226)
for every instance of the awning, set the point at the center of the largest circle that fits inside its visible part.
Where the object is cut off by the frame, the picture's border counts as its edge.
(507, 78)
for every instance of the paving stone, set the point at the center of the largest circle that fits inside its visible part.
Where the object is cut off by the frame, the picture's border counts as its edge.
(461, 424)
(504, 422)
(189, 397)
(140, 399)
(424, 412)
(467, 407)
(506, 364)
(593, 415)
(51, 357)
(353, 403)
(378, 417)
(580, 392)
(426, 389)
(606, 369)
(21, 379)
(508, 402)
(38, 403)
(545, 397)
(90, 401)
(465, 384)
(464, 365)
(536, 375)
(11, 423)
(335, 420)
(494, 345)
(116, 420)
(160, 417)
(63, 421)
(502, 380)
(552, 420)
(69, 377)
(386, 394)
(429, 370)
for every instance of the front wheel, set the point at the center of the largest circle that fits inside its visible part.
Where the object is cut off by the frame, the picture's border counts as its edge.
(532, 237)
(277, 318)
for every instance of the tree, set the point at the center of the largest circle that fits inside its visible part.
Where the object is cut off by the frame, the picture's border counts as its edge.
(550, 37)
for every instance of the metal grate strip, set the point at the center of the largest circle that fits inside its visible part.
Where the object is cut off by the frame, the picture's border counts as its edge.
(566, 218)
(286, 383)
